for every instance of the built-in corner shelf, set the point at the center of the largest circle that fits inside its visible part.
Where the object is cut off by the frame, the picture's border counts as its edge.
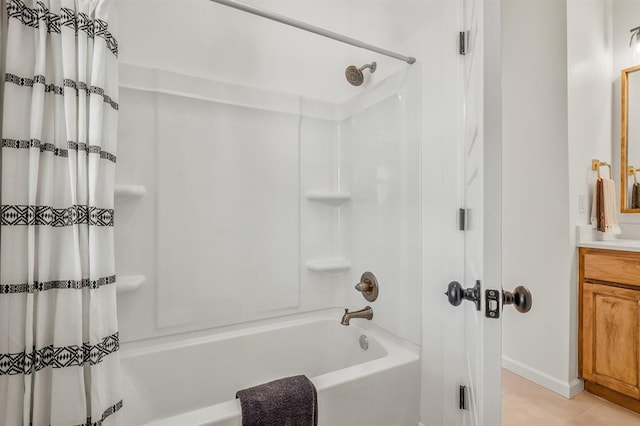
(331, 198)
(329, 265)
(127, 283)
(130, 191)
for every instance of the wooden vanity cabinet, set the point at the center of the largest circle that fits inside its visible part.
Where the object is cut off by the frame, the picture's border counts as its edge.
(609, 325)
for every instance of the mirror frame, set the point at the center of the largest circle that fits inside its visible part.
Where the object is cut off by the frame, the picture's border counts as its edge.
(624, 131)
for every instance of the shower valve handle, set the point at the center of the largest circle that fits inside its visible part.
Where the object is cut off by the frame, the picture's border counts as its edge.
(368, 286)
(364, 286)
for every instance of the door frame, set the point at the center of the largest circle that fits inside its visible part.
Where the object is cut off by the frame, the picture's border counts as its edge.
(492, 99)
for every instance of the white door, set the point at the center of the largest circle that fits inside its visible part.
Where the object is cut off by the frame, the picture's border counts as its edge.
(481, 152)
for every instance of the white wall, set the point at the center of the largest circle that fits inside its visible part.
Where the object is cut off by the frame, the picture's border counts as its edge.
(589, 73)
(536, 247)
(205, 39)
(625, 16)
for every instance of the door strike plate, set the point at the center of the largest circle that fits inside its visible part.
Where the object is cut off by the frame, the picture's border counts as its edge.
(492, 304)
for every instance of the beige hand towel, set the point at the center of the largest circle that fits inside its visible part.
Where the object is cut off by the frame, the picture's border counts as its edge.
(604, 213)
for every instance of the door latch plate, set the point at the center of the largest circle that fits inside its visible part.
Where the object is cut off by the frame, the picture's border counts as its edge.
(492, 303)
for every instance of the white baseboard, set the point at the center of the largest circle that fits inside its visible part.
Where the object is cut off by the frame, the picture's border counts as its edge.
(566, 389)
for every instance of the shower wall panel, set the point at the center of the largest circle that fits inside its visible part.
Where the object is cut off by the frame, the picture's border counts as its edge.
(380, 149)
(136, 218)
(225, 229)
(321, 235)
(227, 212)
(229, 225)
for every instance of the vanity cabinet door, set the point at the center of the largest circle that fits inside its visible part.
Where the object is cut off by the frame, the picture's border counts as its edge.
(610, 337)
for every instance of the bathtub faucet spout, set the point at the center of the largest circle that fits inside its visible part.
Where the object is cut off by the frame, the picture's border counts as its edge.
(366, 313)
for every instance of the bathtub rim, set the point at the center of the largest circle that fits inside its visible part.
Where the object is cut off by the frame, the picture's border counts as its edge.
(198, 337)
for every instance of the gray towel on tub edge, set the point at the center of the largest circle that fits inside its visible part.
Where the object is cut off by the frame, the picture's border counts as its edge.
(292, 401)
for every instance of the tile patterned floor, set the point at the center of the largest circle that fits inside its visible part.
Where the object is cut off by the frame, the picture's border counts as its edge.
(524, 403)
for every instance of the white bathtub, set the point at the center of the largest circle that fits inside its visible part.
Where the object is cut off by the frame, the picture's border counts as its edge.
(193, 381)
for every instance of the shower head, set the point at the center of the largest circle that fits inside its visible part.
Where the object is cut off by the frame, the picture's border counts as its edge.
(355, 76)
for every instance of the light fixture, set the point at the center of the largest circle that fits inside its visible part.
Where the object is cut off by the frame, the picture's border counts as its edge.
(634, 42)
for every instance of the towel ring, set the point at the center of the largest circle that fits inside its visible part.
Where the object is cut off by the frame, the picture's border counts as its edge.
(596, 164)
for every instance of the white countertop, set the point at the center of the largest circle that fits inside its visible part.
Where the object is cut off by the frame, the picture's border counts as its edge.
(626, 245)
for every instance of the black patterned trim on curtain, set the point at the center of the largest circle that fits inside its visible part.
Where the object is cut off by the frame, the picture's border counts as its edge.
(59, 152)
(57, 285)
(20, 215)
(59, 90)
(109, 411)
(33, 17)
(58, 356)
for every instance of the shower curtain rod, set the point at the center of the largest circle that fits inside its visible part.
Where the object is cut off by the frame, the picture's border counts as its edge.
(313, 29)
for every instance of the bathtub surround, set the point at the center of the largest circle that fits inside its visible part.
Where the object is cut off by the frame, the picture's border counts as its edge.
(334, 181)
(289, 401)
(59, 340)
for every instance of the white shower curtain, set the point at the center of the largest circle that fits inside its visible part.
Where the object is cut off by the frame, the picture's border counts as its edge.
(59, 361)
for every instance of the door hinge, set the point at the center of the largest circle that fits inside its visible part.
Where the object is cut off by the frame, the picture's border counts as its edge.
(462, 398)
(463, 42)
(462, 219)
